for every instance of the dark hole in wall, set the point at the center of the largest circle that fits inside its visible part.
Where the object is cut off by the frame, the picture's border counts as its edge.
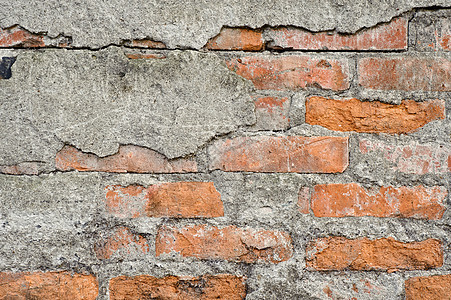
(5, 67)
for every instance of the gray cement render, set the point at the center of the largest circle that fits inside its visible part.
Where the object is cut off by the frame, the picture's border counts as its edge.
(96, 100)
(189, 24)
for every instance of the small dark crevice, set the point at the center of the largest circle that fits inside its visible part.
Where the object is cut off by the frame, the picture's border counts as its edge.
(5, 67)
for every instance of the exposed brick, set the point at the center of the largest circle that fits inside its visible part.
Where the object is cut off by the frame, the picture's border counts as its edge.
(387, 36)
(145, 56)
(229, 243)
(237, 39)
(292, 72)
(205, 287)
(429, 287)
(432, 34)
(375, 116)
(413, 158)
(343, 200)
(347, 287)
(18, 37)
(26, 168)
(122, 242)
(48, 285)
(176, 199)
(128, 159)
(304, 200)
(387, 254)
(280, 154)
(146, 43)
(272, 113)
(405, 73)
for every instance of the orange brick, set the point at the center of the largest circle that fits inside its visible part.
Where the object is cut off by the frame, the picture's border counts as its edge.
(236, 39)
(205, 287)
(229, 243)
(429, 287)
(48, 285)
(145, 56)
(387, 254)
(19, 37)
(292, 72)
(27, 168)
(343, 200)
(412, 158)
(121, 242)
(304, 200)
(272, 113)
(405, 73)
(146, 43)
(175, 199)
(280, 154)
(375, 116)
(129, 159)
(387, 36)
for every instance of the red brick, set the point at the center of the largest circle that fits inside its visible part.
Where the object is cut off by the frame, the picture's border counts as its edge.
(48, 285)
(387, 36)
(429, 287)
(146, 43)
(433, 35)
(272, 113)
(405, 73)
(412, 158)
(129, 159)
(229, 243)
(145, 55)
(27, 168)
(175, 199)
(205, 287)
(374, 117)
(343, 200)
(19, 37)
(338, 253)
(122, 242)
(280, 154)
(292, 72)
(237, 39)
(304, 200)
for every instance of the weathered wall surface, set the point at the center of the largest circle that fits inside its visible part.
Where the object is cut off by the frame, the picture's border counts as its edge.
(225, 150)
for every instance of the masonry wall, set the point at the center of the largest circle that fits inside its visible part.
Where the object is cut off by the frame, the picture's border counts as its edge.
(154, 150)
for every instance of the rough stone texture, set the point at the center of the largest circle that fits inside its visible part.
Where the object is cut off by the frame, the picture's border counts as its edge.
(428, 287)
(175, 199)
(356, 115)
(52, 285)
(174, 288)
(102, 100)
(229, 243)
(99, 99)
(341, 200)
(192, 23)
(337, 253)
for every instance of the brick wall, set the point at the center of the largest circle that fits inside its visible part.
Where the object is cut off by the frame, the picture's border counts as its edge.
(274, 162)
